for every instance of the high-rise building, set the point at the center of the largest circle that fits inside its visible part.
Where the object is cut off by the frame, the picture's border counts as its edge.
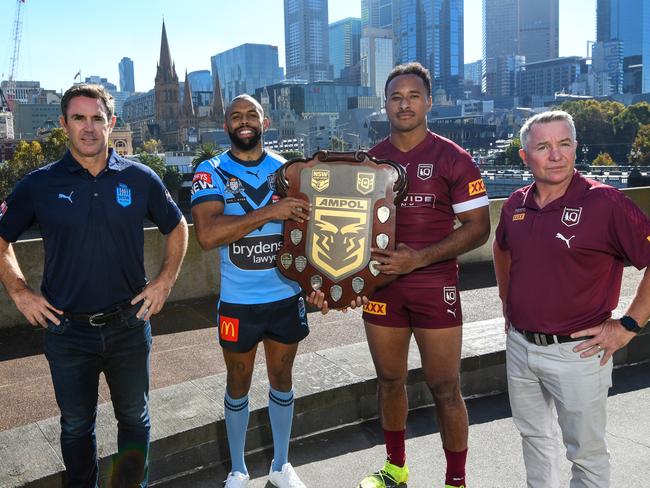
(245, 68)
(377, 14)
(539, 29)
(376, 59)
(306, 40)
(431, 32)
(200, 81)
(344, 37)
(628, 21)
(127, 82)
(516, 31)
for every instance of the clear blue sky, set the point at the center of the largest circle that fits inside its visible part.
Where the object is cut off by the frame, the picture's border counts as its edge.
(61, 37)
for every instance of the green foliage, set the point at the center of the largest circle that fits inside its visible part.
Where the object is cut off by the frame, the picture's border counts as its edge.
(606, 127)
(27, 157)
(292, 154)
(338, 144)
(205, 152)
(603, 159)
(155, 162)
(151, 146)
(172, 178)
(55, 145)
(640, 153)
(511, 153)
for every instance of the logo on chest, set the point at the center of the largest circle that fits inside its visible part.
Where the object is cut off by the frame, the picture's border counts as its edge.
(123, 195)
(234, 186)
(425, 171)
(571, 216)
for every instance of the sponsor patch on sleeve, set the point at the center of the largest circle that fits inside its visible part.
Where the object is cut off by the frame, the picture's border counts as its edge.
(4, 207)
(201, 181)
(476, 187)
(228, 328)
(375, 308)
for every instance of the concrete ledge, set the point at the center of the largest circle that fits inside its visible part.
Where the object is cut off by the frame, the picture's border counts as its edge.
(200, 275)
(333, 387)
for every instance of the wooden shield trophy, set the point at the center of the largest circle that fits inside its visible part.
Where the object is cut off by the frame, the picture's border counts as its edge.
(353, 198)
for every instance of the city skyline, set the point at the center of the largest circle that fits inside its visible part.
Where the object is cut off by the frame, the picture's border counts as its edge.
(59, 40)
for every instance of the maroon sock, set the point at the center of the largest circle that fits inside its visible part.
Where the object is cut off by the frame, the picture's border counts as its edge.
(395, 446)
(455, 467)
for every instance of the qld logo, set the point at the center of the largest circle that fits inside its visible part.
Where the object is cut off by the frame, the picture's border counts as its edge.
(571, 216)
(449, 295)
(123, 195)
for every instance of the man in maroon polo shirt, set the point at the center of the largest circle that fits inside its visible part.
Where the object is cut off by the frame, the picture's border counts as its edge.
(443, 184)
(559, 253)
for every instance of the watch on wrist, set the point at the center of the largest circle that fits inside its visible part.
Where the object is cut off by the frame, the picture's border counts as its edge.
(630, 324)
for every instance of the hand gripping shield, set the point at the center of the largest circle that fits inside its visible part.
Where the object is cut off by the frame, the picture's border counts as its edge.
(353, 198)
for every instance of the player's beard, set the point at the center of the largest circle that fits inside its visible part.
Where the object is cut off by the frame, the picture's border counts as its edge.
(245, 145)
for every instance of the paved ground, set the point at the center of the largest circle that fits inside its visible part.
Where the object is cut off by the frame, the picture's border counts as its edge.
(339, 458)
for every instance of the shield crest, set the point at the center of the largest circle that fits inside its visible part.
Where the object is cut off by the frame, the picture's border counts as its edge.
(571, 216)
(338, 241)
(449, 293)
(353, 200)
(123, 195)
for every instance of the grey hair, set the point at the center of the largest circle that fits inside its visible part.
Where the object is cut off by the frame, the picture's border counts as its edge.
(545, 118)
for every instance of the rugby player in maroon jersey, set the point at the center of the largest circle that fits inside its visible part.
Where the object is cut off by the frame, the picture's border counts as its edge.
(444, 184)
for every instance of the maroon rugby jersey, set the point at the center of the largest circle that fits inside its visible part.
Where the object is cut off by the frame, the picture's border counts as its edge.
(442, 181)
(567, 258)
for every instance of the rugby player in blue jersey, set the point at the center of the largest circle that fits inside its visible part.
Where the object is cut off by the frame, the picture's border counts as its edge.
(235, 210)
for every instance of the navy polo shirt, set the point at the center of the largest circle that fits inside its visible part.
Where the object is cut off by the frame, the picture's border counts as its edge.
(92, 228)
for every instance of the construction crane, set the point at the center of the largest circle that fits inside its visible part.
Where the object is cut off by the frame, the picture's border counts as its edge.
(7, 98)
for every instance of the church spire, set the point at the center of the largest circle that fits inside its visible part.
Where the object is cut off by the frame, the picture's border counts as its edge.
(217, 102)
(166, 68)
(188, 106)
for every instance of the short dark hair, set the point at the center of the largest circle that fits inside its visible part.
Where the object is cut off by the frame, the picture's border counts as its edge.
(248, 98)
(97, 92)
(410, 69)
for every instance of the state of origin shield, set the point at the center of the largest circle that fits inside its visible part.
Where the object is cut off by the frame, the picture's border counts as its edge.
(353, 198)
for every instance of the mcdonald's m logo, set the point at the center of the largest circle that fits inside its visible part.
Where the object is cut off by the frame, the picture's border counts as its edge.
(228, 328)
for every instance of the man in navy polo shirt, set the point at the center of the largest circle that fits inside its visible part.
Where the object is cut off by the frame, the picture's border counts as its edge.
(95, 299)
(559, 253)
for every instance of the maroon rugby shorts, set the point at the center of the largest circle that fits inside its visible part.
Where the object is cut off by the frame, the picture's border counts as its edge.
(398, 305)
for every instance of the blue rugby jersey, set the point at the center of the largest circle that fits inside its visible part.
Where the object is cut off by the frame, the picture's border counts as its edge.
(248, 269)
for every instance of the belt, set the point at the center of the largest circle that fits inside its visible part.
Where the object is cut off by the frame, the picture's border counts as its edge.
(547, 339)
(103, 318)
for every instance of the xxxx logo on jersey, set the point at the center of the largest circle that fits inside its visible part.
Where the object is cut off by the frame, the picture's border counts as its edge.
(476, 187)
(375, 308)
(338, 235)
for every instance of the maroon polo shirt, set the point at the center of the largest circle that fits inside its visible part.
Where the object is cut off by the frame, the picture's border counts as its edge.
(567, 258)
(442, 182)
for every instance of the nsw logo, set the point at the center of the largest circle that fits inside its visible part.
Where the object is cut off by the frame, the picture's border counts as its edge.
(3, 209)
(123, 195)
(571, 216)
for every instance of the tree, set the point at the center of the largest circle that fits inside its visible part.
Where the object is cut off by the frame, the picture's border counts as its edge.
(205, 152)
(640, 153)
(603, 159)
(338, 144)
(56, 144)
(28, 156)
(151, 146)
(594, 127)
(172, 179)
(155, 162)
(292, 154)
(511, 153)
(627, 123)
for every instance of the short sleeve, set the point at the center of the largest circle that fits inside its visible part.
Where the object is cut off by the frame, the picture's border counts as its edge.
(630, 231)
(500, 233)
(205, 184)
(17, 212)
(161, 208)
(467, 187)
